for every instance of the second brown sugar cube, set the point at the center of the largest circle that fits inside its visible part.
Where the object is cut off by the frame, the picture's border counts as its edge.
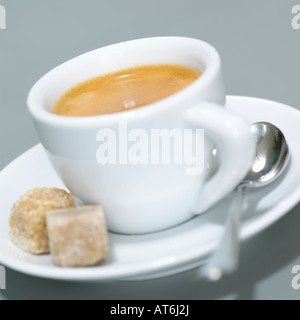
(77, 236)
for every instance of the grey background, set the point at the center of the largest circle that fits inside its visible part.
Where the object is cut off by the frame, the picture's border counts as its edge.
(260, 53)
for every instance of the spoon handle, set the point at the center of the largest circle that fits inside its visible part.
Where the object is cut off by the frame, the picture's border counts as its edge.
(225, 259)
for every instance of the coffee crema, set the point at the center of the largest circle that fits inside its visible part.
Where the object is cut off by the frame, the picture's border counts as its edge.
(124, 90)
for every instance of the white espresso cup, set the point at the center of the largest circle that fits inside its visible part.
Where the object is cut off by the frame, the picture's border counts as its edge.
(139, 194)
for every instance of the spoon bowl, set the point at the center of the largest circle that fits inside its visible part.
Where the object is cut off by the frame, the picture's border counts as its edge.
(272, 154)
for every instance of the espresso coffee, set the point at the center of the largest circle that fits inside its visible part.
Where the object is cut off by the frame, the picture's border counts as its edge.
(124, 90)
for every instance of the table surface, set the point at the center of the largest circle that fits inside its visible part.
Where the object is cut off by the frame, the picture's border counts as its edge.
(260, 53)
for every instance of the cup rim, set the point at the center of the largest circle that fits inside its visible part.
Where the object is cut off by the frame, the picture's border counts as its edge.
(213, 65)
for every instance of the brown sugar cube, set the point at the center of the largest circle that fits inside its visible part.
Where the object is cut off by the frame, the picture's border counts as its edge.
(77, 236)
(28, 217)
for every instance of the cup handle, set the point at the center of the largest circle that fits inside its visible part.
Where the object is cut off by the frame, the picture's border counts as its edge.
(235, 143)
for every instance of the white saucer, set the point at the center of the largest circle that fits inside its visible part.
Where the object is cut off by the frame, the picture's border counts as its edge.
(168, 252)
